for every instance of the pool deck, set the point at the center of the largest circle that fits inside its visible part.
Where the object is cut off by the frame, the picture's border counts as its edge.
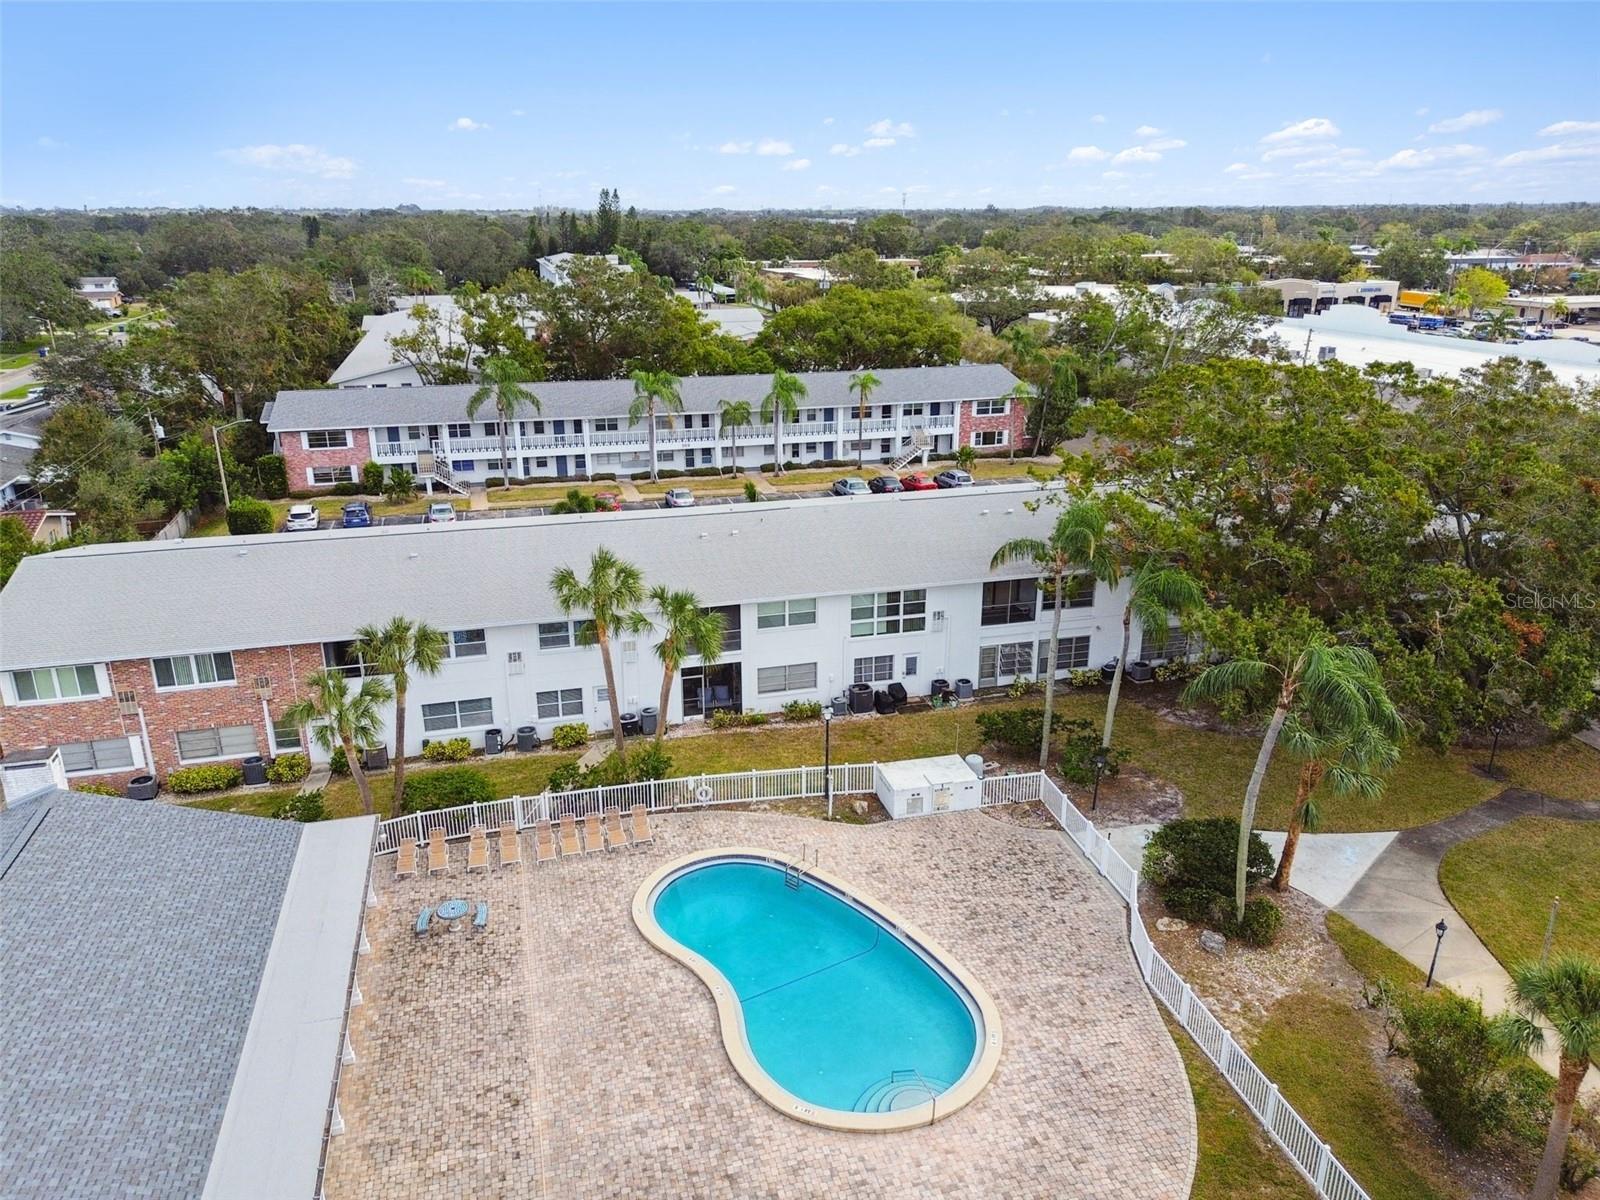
(558, 1054)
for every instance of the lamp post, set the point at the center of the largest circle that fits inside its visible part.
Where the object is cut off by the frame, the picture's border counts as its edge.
(1098, 761)
(827, 757)
(216, 444)
(1439, 931)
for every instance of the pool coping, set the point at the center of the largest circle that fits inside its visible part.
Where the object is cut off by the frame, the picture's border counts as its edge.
(730, 1012)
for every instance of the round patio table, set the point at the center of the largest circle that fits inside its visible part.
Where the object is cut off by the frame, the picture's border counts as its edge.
(452, 910)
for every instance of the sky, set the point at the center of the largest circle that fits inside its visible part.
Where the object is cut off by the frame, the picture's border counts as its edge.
(832, 105)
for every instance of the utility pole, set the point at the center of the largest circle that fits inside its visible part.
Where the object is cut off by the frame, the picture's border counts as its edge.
(216, 444)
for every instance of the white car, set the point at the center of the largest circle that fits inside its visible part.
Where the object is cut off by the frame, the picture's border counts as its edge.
(851, 486)
(440, 512)
(679, 497)
(301, 516)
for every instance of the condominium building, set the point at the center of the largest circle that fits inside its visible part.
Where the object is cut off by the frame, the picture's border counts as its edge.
(582, 427)
(149, 656)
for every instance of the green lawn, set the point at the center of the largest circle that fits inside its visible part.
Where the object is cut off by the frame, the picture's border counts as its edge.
(1504, 881)
(1370, 957)
(18, 393)
(255, 804)
(19, 354)
(530, 495)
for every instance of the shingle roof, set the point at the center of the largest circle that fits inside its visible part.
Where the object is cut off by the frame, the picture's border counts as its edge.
(348, 407)
(130, 600)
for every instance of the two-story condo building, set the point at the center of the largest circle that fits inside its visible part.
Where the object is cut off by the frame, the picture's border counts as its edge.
(154, 655)
(582, 426)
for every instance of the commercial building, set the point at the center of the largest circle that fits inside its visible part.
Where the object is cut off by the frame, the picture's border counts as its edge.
(1303, 296)
(146, 656)
(582, 426)
(1578, 310)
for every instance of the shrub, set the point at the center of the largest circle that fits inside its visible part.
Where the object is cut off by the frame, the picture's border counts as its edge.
(337, 763)
(1260, 924)
(289, 768)
(457, 749)
(372, 478)
(1088, 677)
(1177, 672)
(702, 472)
(1199, 852)
(304, 807)
(570, 737)
(603, 476)
(565, 777)
(1459, 1070)
(1015, 729)
(650, 762)
(1078, 748)
(209, 777)
(400, 486)
(447, 787)
(346, 489)
(751, 492)
(274, 476)
(249, 515)
(802, 710)
(1022, 686)
(96, 789)
(726, 718)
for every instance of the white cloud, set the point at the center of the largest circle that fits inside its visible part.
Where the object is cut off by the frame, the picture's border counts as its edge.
(827, 120)
(878, 143)
(1113, 174)
(1310, 130)
(1137, 154)
(891, 129)
(467, 125)
(49, 143)
(1098, 119)
(1559, 129)
(1467, 120)
(1087, 154)
(1146, 131)
(844, 149)
(1411, 160)
(518, 112)
(1170, 143)
(797, 164)
(1423, 111)
(1236, 169)
(293, 159)
(1555, 152)
(723, 189)
(773, 148)
(734, 148)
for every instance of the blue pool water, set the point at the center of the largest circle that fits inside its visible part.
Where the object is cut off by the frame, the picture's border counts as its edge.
(837, 1009)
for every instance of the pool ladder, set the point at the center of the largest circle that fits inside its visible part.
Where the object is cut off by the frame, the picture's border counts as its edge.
(794, 873)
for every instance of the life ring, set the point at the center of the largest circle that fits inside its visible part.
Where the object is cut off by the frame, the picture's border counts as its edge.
(703, 793)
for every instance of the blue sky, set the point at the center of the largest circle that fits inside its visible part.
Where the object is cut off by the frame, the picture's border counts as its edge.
(747, 106)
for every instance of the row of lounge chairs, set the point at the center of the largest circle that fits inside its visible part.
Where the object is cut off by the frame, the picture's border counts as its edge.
(510, 846)
(601, 831)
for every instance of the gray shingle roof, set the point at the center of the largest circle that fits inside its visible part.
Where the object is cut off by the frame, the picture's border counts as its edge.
(136, 599)
(344, 408)
(133, 938)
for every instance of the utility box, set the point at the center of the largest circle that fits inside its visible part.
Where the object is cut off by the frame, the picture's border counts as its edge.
(919, 787)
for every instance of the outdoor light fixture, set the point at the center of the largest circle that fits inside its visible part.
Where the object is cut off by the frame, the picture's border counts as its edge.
(827, 758)
(1439, 931)
(1100, 760)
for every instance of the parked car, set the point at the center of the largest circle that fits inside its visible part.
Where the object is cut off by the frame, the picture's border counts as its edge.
(356, 515)
(953, 478)
(607, 502)
(679, 497)
(301, 516)
(440, 512)
(885, 483)
(918, 481)
(850, 486)
(34, 393)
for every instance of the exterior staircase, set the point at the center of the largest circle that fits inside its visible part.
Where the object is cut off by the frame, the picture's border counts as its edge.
(918, 445)
(442, 474)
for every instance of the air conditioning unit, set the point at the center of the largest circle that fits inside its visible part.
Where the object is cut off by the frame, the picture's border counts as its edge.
(264, 686)
(127, 704)
(938, 620)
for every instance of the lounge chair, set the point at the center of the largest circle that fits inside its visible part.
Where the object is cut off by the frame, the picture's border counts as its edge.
(480, 918)
(640, 820)
(569, 836)
(478, 850)
(592, 839)
(424, 921)
(510, 845)
(438, 852)
(615, 834)
(405, 862)
(544, 842)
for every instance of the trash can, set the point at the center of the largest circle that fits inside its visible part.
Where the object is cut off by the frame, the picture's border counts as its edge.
(630, 723)
(1108, 672)
(142, 787)
(963, 689)
(840, 706)
(255, 770)
(375, 758)
(491, 741)
(527, 737)
(940, 687)
(860, 697)
(647, 720)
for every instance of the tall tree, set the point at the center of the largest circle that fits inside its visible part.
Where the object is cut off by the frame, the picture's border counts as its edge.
(342, 719)
(735, 415)
(780, 404)
(610, 594)
(654, 391)
(502, 386)
(686, 630)
(1022, 394)
(397, 649)
(1157, 591)
(863, 384)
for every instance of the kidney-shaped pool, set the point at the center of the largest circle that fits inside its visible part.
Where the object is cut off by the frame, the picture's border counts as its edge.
(833, 1009)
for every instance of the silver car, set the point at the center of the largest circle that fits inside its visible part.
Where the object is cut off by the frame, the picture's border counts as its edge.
(851, 486)
(440, 512)
(301, 516)
(679, 497)
(953, 478)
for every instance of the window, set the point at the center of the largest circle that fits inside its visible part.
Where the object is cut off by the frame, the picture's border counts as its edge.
(1169, 643)
(911, 666)
(561, 635)
(106, 754)
(991, 408)
(458, 429)
(468, 643)
(342, 657)
(1009, 658)
(888, 612)
(1009, 601)
(1072, 654)
(776, 614)
(56, 683)
(607, 425)
(795, 677)
(457, 714)
(463, 464)
(491, 429)
(193, 670)
(568, 702)
(327, 439)
(877, 668)
(989, 437)
(328, 476)
(413, 433)
(285, 737)
(227, 741)
(1080, 592)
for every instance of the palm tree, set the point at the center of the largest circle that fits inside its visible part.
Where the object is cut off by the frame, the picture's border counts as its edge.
(575, 501)
(736, 415)
(1314, 675)
(343, 720)
(650, 390)
(966, 458)
(502, 383)
(863, 383)
(1157, 592)
(781, 403)
(1078, 541)
(1497, 325)
(1022, 395)
(611, 595)
(1565, 994)
(395, 650)
(1560, 309)
(686, 629)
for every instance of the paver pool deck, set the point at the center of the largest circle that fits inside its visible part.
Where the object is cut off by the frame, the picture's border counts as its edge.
(557, 1054)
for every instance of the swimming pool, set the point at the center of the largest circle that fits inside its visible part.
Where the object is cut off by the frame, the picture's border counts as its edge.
(833, 1009)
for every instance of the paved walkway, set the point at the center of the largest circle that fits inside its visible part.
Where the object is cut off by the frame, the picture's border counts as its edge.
(628, 490)
(321, 775)
(477, 498)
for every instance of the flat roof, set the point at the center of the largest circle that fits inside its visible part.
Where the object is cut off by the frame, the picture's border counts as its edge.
(138, 599)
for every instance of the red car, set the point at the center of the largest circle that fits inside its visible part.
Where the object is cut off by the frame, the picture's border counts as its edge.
(607, 502)
(918, 482)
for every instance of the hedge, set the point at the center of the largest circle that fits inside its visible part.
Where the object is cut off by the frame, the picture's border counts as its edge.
(289, 768)
(448, 787)
(274, 476)
(457, 749)
(570, 737)
(209, 777)
(249, 515)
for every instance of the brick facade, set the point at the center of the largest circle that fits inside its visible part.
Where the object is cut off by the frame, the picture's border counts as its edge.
(166, 712)
(298, 461)
(969, 423)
